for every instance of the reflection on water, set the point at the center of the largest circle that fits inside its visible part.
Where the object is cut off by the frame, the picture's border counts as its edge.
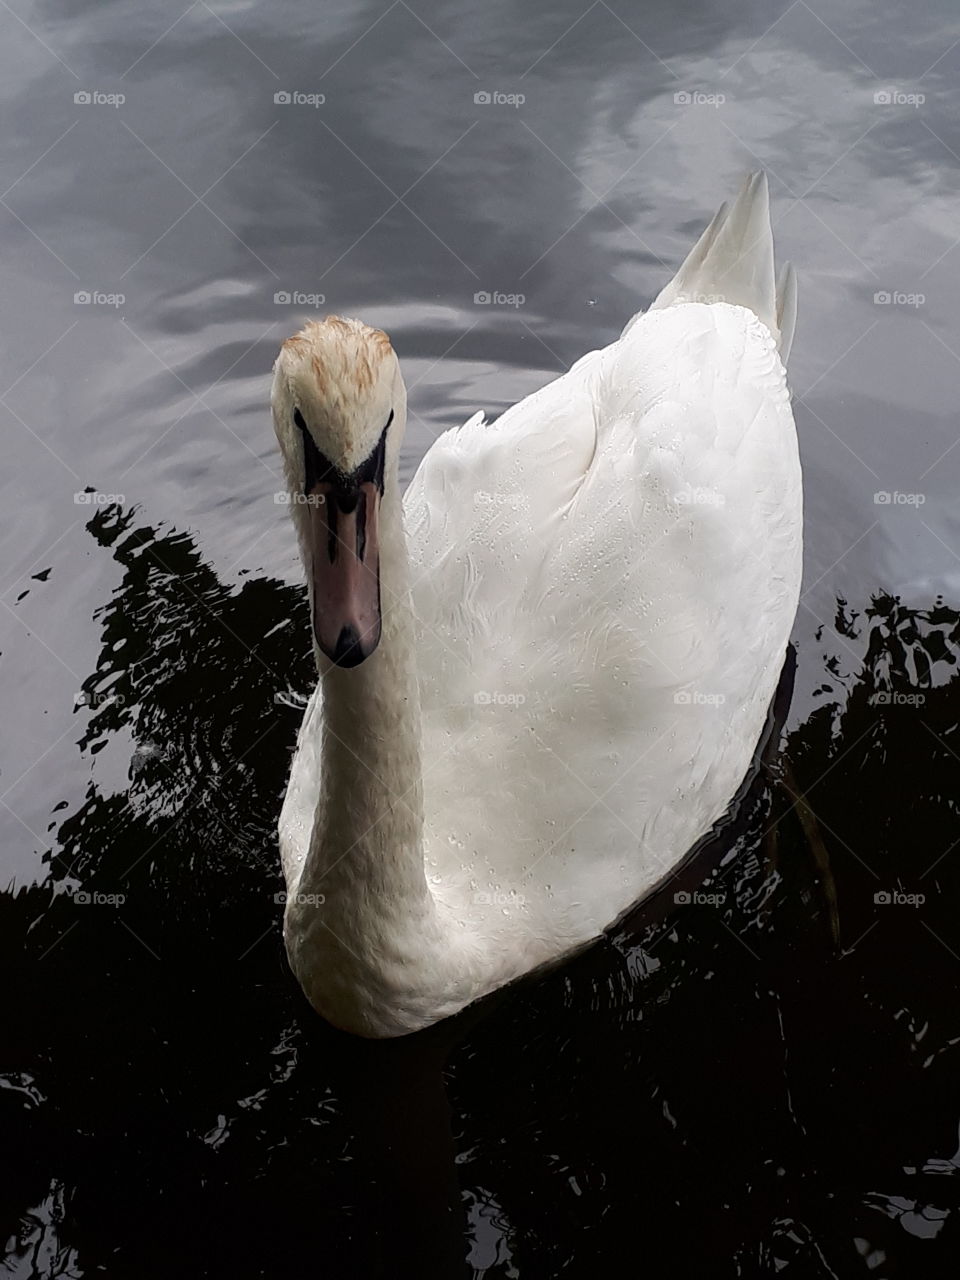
(758, 1079)
(756, 1072)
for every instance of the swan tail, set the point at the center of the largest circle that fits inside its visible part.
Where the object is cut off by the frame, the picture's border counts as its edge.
(733, 262)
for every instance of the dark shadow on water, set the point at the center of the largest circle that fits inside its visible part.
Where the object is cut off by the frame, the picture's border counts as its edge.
(754, 1074)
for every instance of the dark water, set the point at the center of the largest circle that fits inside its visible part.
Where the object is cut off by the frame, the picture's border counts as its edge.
(761, 1082)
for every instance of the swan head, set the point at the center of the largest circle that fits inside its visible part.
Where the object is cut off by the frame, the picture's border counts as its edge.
(339, 409)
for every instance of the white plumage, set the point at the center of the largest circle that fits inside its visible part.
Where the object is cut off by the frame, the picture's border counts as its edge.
(603, 583)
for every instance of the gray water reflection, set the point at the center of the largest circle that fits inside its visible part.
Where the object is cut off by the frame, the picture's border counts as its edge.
(200, 198)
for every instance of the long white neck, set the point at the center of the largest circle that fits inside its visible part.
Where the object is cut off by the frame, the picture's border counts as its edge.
(365, 925)
(369, 823)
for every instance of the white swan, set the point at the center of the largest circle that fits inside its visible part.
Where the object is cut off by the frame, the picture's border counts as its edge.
(544, 671)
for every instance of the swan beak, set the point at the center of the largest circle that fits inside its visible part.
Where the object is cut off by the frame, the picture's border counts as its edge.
(345, 554)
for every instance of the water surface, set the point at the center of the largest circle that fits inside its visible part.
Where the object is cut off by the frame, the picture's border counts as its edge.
(760, 1081)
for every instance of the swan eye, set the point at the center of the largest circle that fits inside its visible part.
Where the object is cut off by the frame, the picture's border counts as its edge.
(316, 466)
(371, 471)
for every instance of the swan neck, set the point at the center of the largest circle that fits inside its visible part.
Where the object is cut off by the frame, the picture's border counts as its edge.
(369, 824)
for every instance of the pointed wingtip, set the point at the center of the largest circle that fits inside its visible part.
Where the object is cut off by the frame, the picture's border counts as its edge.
(754, 184)
(733, 259)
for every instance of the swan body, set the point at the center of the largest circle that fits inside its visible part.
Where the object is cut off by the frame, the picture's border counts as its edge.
(583, 612)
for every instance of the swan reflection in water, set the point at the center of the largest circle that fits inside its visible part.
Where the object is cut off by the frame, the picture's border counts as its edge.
(755, 1068)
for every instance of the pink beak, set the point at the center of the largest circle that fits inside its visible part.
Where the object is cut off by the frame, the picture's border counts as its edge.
(345, 553)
